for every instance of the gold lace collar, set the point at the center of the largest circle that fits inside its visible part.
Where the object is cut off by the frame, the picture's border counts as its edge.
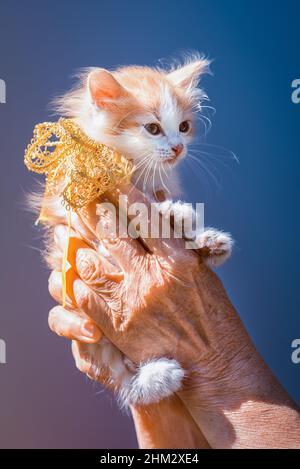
(76, 167)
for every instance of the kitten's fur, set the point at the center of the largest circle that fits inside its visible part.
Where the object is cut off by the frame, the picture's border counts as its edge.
(115, 108)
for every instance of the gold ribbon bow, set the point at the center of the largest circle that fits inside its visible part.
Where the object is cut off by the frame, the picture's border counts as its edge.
(75, 165)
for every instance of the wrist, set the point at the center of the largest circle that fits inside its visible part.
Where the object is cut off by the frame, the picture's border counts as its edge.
(167, 424)
(240, 404)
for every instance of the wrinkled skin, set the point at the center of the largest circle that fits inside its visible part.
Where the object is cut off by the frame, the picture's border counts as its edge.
(163, 300)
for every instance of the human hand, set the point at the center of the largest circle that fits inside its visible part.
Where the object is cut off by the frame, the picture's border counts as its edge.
(168, 302)
(155, 424)
(133, 294)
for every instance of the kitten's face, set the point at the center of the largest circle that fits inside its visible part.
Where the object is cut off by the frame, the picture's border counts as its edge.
(158, 127)
(143, 113)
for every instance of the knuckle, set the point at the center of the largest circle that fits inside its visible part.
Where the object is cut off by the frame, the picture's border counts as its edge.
(79, 362)
(52, 319)
(88, 265)
(82, 294)
(54, 323)
(54, 285)
(82, 363)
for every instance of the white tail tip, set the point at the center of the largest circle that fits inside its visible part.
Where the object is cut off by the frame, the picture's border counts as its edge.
(155, 380)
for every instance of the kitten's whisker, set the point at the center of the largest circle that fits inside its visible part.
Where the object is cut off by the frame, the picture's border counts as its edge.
(164, 170)
(212, 109)
(199, 107)
(145, 163)
(162, 181)
(153, 177)
(209, 157)
(209, 163)
(207, 128)
(207, 119)
(202, 165)
(140, 163)
(29, 246)
(147, 174)
(203, 179)
(143, 157)
(227, 153)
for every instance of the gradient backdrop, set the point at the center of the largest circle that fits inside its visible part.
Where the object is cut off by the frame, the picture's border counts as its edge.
(45, 401)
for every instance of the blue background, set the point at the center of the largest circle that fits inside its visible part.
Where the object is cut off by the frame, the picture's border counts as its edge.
(45, 401)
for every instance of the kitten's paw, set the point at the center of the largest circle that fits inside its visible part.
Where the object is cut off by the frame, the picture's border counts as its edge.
(180, 213)
(155, 380)
(215, 245)
(178, 208)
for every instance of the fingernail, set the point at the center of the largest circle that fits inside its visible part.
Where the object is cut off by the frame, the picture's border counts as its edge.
(88, 329)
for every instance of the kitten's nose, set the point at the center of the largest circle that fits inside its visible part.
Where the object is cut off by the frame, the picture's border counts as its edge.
(177, 149)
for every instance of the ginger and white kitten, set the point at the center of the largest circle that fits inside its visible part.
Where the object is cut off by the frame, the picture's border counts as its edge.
(147, 115)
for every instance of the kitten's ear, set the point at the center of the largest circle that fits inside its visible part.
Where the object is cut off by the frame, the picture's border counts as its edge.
(189, 74)
(104, 88)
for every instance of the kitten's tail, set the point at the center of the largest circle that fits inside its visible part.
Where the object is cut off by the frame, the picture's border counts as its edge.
(146, 384)
(152, 382)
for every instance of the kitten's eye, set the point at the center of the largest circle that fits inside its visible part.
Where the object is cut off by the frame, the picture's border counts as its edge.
(153, 129)
(184, 127)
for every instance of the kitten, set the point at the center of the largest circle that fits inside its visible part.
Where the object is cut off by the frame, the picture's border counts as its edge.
(147, 115)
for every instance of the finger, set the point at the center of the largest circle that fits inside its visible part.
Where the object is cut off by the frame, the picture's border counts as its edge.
(53, 256)
(90, 265)
(94, 300)
(82, 360)
(81, 296)
(88, 360)
(72, 325)
(55, 286)
(96, 271)
(104, 221)
(95, 305)
(61, 234)
(56, 247)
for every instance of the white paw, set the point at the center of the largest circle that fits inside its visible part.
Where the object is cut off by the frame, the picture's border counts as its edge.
(155, 380)
(216, 245)
(180, 209)
(183, 215)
